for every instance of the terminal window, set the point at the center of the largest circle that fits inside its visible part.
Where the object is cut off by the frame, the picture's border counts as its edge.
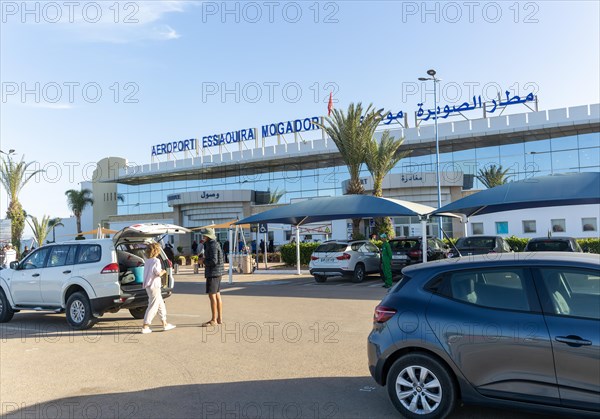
(589, 224)
(502, 227)
(529, 226)
(558, 225)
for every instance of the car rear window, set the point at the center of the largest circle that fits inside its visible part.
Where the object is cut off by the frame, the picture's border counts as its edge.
(89, 253)
(331, 247)
(548, 246)
(403, 244)
(485, 242)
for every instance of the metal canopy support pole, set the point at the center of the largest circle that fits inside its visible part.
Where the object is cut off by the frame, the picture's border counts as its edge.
(466, 222)
(230, 238)
(424, 234)
(298, 249)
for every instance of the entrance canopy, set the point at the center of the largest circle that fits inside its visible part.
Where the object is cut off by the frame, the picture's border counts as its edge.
(222, 225)
(543, 191)
(337, 208)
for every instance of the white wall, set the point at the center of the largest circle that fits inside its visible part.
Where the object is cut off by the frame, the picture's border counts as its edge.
(571, 214)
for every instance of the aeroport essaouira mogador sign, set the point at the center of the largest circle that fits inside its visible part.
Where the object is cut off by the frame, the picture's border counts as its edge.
(311, 124)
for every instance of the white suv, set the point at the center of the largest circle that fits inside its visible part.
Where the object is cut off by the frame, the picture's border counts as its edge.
(353, 259)
(85, 278)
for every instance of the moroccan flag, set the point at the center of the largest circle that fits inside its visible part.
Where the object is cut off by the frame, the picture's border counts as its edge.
(330, 104)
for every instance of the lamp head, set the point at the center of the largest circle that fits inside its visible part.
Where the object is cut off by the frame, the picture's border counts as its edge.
(431, 72)
(424, 78)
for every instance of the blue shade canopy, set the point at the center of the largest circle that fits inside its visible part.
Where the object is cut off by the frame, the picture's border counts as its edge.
(544, 191)
(337, 208)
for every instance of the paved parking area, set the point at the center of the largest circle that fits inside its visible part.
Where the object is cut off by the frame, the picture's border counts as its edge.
(289, 348)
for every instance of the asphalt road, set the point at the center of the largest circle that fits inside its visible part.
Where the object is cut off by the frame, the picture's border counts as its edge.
(289, 348)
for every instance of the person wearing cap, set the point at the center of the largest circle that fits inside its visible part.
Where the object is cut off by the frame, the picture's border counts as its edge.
(386, 260)
(213, 271)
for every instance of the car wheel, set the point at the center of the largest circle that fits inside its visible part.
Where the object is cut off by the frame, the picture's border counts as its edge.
(6, 312)
(420, 387)
(320, 278)
(359, 273)
(138, 312)
(79, 311)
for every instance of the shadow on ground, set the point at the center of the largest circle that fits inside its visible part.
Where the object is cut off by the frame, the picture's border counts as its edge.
(340, 397)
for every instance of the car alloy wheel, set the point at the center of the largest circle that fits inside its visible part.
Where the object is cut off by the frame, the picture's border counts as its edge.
(421, 386)
(359, 273)
(419, 390)
(77, 311)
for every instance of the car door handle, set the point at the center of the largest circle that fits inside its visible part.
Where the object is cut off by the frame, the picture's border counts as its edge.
(35, 275)
(573, 340)
(66, 272)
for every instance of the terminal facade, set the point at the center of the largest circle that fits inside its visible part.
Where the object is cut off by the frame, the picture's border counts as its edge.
(225, 181)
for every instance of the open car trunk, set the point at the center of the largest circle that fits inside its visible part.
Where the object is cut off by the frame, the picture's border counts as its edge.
(130, 245)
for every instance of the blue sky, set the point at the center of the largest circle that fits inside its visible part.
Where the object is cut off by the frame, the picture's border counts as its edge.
(163, 65)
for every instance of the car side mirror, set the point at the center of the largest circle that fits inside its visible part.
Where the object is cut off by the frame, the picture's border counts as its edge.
(585, 249)
(13, 265)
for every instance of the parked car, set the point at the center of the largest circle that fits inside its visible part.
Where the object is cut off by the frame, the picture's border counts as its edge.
(353, 259)
(479, 245)
(85, 279)
(520, 332)
(552, 244)
(409, 250)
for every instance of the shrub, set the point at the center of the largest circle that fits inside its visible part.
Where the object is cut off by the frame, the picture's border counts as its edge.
(516, 243)
(591, 245)
(179, 249)
(271, 257)
(181, 260)
(288, 253)
(194, 258)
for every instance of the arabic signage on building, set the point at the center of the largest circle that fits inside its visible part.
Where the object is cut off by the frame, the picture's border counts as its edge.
(312, 123)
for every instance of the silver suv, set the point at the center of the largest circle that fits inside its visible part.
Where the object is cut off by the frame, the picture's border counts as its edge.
(353, 259)
(85, 278)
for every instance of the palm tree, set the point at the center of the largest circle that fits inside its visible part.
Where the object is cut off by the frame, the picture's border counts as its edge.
(493, 176)
(276, 195)
(381, 157)
(55, 222)
(351, 132)
(14, 176)
(40, 228)
(77, 201)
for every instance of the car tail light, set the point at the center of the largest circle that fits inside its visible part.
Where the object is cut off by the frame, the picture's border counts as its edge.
(111, 268)
(383, 314)
(345, 256)
(415, 253)
(314, 258)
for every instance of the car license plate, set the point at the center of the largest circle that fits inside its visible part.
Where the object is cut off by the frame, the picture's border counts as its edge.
(327, 260)
(399, 257)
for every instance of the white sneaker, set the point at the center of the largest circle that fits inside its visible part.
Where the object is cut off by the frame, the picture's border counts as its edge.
(146, 330)
(169, 326)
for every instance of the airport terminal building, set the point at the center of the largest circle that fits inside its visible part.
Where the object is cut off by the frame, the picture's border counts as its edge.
(221, 177)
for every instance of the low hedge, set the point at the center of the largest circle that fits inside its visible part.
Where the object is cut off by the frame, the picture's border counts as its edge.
(516, 243)
(288, 253)
(591, 245)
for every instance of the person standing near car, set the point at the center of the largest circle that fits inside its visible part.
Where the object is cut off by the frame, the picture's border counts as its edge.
(10, 255)
(213, 271)
(386, 260)
(152, 284)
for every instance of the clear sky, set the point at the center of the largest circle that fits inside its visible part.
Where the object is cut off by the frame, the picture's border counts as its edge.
(86, 80)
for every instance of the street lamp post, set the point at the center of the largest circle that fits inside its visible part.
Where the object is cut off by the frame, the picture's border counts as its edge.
(432, 73)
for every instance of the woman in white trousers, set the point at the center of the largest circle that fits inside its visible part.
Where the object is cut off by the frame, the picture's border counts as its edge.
(152, 283)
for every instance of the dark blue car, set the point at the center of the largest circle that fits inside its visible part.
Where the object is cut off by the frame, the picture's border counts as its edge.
(519, 330)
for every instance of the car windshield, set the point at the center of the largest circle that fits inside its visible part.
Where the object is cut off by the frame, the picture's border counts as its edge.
(331, 247)
(484, 242)
(398, 245)
(548, 246)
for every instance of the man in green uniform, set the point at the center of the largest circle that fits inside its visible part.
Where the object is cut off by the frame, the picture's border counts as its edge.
(386, 261)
